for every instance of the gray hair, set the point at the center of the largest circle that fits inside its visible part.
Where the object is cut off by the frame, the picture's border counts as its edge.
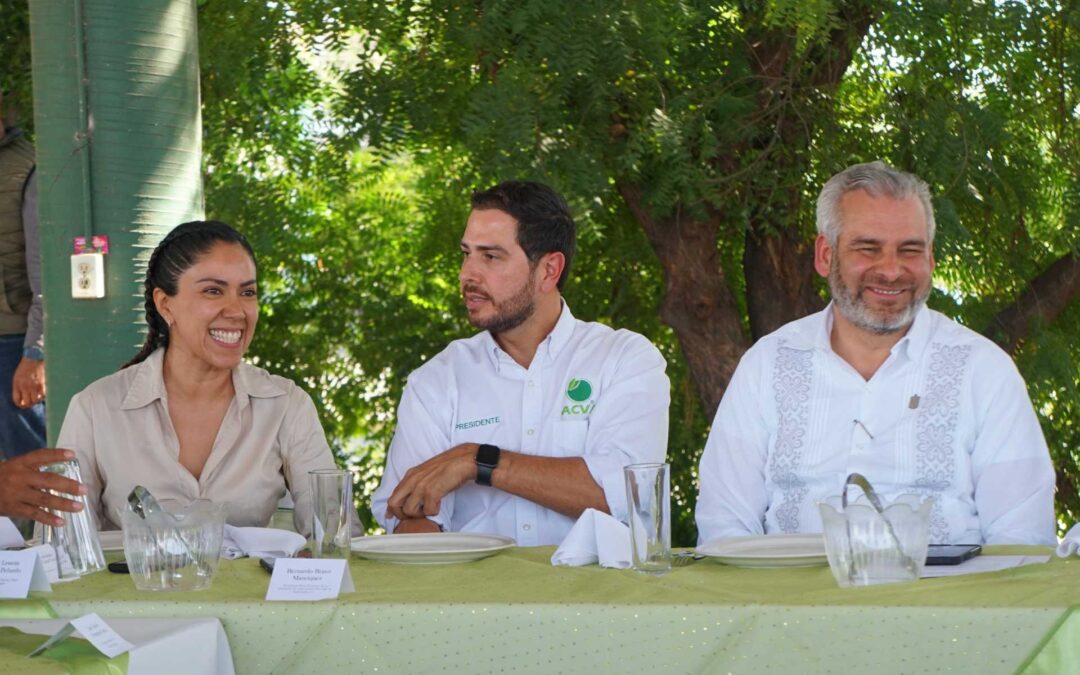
(877, 179)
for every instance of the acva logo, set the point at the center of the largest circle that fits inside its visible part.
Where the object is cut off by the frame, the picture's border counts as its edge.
(578, 391)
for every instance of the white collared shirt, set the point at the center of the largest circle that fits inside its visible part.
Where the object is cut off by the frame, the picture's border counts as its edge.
(947, 414)
(270, 438)
(590, 392)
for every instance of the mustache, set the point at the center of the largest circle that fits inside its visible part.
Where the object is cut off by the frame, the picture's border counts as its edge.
(474, 290)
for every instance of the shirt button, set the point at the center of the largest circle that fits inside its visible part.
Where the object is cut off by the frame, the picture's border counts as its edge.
(531, 383)
(526, 527)
(530, 432)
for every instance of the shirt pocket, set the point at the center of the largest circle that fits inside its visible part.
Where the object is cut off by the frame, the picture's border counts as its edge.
(570, 438)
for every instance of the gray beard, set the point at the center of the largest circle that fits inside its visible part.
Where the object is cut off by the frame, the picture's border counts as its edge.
(855, 310)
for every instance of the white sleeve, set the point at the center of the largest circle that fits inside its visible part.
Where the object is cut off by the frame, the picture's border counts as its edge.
(630, 422)
(1011, 468)
(305, 449)
(423, 426)
(732, 498)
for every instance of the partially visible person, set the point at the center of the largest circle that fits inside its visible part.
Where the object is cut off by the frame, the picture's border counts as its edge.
(22, 356)
(23, 487)
(520, 428)
(878, 384)
(187, 418)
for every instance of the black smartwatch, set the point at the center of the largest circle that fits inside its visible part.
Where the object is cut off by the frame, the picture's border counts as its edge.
(487, 458)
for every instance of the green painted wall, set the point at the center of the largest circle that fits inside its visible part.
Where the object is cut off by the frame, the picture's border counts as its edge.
(133, 177)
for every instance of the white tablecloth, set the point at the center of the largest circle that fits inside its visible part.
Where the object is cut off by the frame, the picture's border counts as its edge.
(162, 646)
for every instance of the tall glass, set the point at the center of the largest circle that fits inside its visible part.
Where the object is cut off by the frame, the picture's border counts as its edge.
(331, 526)
(648, 503)
(78, 550)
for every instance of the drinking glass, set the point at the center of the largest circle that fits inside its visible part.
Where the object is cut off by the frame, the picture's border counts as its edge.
(648, 503)
(78, 550)
(331, 527)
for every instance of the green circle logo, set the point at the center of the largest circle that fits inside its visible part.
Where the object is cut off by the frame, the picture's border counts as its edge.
(579, 390)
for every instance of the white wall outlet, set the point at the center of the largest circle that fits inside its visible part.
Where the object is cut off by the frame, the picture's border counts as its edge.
(88, 275)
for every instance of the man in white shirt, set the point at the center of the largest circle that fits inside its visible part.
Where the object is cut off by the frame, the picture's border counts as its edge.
(881, 385)
(520, 428)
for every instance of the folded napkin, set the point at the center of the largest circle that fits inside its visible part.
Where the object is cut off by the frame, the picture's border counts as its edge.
(595, 537)
(259, 541)
(1070, 543)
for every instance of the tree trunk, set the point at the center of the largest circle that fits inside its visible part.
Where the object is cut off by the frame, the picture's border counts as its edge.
(698, 304)
(779, 280)
(1046, 297)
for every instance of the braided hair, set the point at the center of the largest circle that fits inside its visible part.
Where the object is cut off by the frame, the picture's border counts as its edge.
(180, 249)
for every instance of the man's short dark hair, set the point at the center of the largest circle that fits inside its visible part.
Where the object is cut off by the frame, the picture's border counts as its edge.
(544, 221)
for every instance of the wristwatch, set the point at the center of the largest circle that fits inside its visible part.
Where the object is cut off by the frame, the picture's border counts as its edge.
(487, 458)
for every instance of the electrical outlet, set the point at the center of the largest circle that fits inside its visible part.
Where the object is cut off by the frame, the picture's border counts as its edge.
(88, 275)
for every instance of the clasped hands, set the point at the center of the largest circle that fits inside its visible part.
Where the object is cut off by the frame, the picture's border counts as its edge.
(422, 488)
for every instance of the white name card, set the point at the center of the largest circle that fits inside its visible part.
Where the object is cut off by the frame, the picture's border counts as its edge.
(10, 537)
(309, 579)
(98, 633)
(22, 572)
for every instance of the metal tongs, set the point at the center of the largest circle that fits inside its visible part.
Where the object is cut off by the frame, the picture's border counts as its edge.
(143, 504)
(875, 501)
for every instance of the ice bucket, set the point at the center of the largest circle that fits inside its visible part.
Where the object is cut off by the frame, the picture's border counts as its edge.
(175, 549)
(869, 542)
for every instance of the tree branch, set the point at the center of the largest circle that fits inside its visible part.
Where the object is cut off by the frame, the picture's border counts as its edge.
(1046, 297)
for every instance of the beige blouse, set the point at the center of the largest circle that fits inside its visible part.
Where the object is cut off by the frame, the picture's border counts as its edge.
(120, 429)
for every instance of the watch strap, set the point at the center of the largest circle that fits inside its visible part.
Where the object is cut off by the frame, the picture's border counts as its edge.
(487, 458)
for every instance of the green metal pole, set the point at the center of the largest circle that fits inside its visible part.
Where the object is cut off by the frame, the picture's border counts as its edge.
(116, 113)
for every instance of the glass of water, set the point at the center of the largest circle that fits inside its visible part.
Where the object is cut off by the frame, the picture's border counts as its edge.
(331, 527)
(648, 503)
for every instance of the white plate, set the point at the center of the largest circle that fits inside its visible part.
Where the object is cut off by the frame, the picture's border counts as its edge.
(437, 548)
(111, 540)
(769, 550)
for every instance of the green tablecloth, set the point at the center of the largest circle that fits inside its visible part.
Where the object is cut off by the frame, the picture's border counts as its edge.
(516, 613)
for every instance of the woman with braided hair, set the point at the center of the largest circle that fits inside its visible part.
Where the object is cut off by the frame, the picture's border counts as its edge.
(187, 418)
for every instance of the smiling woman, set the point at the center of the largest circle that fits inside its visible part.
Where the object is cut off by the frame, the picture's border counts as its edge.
(186, 417)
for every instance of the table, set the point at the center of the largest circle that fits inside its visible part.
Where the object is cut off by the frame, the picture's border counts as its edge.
(516, 613)
(162, 647)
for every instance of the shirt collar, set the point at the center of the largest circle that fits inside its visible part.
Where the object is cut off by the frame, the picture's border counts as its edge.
(912, 344)
(553, 343)
(148, 385)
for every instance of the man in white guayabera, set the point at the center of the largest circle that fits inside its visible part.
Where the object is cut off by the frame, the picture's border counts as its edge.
(878, 384)
(520, 428)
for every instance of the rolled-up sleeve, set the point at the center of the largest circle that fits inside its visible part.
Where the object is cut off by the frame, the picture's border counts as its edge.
(304, 450)
(423, 419)
(77, 435)
(630, 422)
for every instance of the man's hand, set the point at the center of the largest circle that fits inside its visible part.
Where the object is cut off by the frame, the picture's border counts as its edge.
(422, 488)
(28, 384)
(22, 486)
(416, 526)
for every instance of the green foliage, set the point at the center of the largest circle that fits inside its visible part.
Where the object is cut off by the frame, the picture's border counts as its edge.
(344, 138)
(15, 82)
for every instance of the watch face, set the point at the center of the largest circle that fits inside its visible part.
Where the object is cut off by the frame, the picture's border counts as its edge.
(487, 454)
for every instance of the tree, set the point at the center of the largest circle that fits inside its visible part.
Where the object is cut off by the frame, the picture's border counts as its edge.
(691, 138)
(711, 125)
